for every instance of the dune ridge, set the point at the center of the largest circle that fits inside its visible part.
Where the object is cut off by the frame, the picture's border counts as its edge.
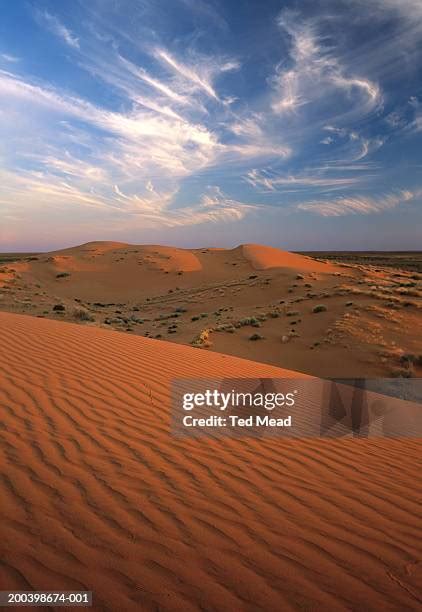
(96, 494)
(265, 258)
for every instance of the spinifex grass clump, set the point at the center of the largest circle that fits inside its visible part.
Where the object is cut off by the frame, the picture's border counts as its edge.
(253, 321)
(319, 308)
(255, 337)
(80, 314)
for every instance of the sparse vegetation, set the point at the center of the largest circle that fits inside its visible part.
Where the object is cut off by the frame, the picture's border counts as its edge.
(202, 340)
(80, 314)
(59, 308)
(253, 321)
(411, 359)
(62, 274)
(403, 372)
(319, 308)
(227, 327)
(255, 337)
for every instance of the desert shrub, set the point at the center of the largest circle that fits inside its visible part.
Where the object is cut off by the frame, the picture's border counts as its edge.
(274, 315)
(407, 284)
(405, 372)
(180, 309)
(80, 314)
(62, 274)
(195, 318)
(59, 308)
(227, 327)
(164, 317)
(255, 337)
(299, 277)
(220, 328)
(202, 340)
(409, 359)
(319, 308)
(252, 276)
(292, 313)
(248, 321)
(406, 291)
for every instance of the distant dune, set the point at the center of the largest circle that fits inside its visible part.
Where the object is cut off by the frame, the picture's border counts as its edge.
(96, 494)
(168, 258)
(265, 257)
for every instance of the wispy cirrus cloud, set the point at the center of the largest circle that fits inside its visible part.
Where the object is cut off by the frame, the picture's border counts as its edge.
(7, 57)
(56, 27)
(316, 72)
(357, 205)
(271, 182)
(201, 74)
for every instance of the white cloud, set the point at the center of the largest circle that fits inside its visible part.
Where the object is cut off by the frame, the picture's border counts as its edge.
(7, 57)
(56, 27)
(270, 182)
(315, 72)
(144, 141)
(200, 74)
(358, 204)
(155, 83)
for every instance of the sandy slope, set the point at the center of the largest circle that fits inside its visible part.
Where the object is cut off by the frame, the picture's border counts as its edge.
(265, 257)
(96, 494)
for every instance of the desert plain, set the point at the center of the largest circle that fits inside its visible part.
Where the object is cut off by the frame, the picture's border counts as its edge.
(356, 317)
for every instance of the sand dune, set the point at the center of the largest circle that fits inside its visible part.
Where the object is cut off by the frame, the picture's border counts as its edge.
(265, 257)
(96, 494)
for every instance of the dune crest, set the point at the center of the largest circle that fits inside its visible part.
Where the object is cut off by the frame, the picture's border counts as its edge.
(264, 257)
(95, 246)
(172, 259)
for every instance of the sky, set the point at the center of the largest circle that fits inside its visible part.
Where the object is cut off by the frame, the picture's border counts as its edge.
(211, 123)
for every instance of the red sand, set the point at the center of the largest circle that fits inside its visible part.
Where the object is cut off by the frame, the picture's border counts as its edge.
(96, 494)
(265, 257)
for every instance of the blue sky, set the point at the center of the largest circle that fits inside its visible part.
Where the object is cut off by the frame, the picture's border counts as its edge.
(194, 122)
